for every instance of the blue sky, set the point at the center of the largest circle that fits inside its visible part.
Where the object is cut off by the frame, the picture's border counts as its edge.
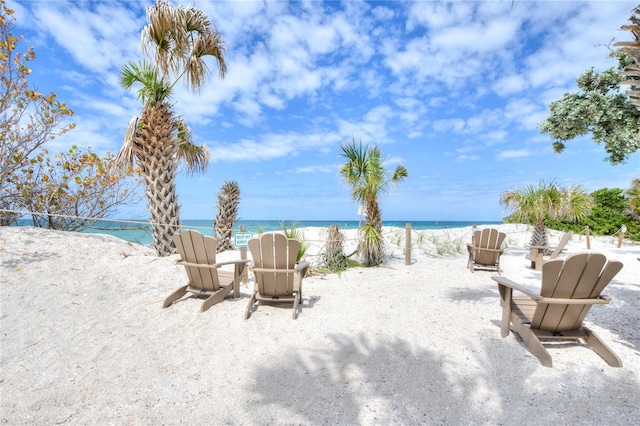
(452, 90)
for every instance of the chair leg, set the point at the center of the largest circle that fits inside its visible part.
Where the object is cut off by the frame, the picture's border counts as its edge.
(216, 298)
(247, 311)
(601, 348)
(505, 294)
(237, 277)
(533, 343)
(174, 296)
(295, 307)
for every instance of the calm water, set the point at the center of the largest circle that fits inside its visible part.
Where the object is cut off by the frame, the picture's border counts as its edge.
(141, 233)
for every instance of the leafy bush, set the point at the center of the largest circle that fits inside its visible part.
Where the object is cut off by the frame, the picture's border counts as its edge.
(294, 233)
(610, 212)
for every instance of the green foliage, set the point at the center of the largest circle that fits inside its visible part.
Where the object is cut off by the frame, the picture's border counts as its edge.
(536, 204)
(633, 192)
(294, 233)
(609, 213)
(63, 188)
(28, 118)
(71, 189)
(599, 108)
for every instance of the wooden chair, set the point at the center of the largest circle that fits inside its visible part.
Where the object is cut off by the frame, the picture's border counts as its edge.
(485, 249)
(538, 252)
(570, 287)
(206, 278)
(278, 279)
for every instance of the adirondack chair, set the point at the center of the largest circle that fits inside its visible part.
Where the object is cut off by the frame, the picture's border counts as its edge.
(278, 279)
(570, 287)
(206, 276)
(485, 249)
(538, 252)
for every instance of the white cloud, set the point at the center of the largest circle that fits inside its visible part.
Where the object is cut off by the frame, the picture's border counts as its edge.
(514, 154)
(510, 85)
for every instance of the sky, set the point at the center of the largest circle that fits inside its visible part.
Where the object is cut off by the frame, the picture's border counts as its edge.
(454, 91)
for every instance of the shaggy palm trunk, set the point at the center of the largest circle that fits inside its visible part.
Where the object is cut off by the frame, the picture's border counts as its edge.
(372, 245)
(334, 257)
(227, 215)
(155, 149)
(539, 236)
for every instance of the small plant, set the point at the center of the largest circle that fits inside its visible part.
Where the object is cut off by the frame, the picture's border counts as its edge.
(334, 257)
(443, 246)
(294, 233)
(397, 238)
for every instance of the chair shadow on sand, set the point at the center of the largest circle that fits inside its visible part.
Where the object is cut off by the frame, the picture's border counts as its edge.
(357, 381)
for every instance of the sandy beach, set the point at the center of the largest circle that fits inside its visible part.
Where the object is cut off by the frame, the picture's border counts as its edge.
(85, 341)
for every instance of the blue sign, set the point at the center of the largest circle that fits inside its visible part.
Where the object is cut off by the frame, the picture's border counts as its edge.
(241, 239)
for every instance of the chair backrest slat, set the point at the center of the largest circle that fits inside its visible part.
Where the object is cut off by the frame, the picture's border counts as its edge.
(489, 238)
(563, 242)
(197, 248)
(579, 276)
(276, 252)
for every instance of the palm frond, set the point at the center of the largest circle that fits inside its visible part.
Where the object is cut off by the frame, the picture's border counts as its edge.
(152, 90)
(125, 158)
(156, 36)
(195, 157)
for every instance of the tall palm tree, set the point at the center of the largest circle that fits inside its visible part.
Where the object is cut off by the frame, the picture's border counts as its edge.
(176, 41)
(534, 204)
(365, 172)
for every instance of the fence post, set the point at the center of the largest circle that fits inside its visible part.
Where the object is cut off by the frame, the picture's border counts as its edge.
(243, 256)
(407, 245)
(623, 229)
(586, 233)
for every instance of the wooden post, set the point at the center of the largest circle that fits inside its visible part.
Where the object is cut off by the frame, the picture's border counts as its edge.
(243, 256)
(623, 229)
(407, 245)
(586, 233)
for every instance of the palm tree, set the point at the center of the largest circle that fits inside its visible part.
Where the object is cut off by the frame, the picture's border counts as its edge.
(534, 204)
(176, 41)
(365, 172)
(227, 215)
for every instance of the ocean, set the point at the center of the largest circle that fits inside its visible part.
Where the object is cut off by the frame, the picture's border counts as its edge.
(141, 233)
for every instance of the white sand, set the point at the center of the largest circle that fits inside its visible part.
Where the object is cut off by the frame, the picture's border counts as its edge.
(85, 341)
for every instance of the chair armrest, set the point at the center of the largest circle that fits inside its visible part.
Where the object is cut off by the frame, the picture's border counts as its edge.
(488, 249)
(237, 263)
(302, 268)
(232, 262)
(508, 283)
(274, 270)
(198, 265)
(603, 300)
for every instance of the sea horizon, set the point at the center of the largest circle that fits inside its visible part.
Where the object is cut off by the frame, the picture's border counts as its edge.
(139, 231)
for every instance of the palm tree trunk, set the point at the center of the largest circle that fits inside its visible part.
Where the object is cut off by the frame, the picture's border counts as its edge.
(539, 236)
(227, 215)
(155, 150)
(372, 245)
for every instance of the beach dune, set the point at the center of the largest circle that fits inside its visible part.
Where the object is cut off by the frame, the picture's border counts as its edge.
(85, 341)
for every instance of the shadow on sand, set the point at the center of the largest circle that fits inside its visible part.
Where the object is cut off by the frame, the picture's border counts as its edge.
(359, 381)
